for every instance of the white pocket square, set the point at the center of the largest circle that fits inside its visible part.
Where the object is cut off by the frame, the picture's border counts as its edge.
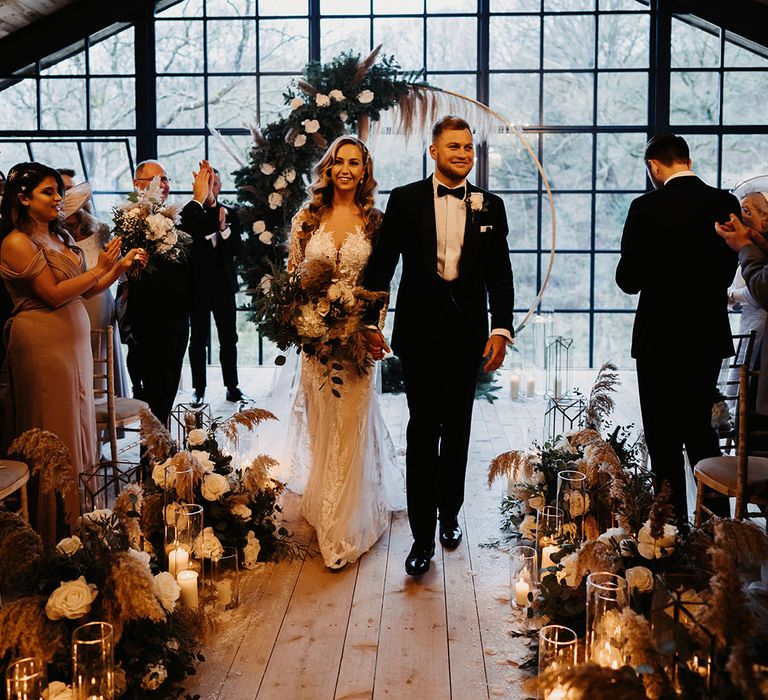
(484, 229)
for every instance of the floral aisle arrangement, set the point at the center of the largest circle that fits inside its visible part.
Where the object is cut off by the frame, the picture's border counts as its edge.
(319, 314)
(97, 574)
(685, 625)
(240, 507)
(144, 221)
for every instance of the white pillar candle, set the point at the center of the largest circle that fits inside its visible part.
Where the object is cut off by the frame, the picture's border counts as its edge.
(546, 555)
(224, 592)
(514, 386)
(530, 386)
(521, 593)
(187, 581)
(558, 387)
(178, 560)
(557, 693)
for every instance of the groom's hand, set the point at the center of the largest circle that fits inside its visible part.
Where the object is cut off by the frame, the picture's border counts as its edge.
(495, 349)
(377, 345)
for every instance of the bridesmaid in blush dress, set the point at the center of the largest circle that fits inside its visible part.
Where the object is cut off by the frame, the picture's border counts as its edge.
(50, 365)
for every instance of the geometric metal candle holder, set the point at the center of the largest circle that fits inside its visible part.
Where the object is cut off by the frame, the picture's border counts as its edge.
(563, 415)
(559, 351)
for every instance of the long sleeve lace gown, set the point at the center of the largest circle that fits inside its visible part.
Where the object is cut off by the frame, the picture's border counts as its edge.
(337, 451)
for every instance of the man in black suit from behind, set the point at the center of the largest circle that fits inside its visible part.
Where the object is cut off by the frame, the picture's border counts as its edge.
(452, 237)
(680, 340)
(215, 231)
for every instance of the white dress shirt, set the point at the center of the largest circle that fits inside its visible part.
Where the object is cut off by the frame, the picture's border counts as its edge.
(213, 237)
(680, 173)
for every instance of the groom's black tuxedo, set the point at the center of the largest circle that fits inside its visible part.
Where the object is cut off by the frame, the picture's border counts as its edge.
(440, 330)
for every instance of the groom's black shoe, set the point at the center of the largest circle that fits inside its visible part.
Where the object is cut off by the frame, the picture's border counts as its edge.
(417, 562)
(450, 533)
(198, 398)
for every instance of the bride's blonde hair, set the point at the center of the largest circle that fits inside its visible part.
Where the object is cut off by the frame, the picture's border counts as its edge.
(321, 189)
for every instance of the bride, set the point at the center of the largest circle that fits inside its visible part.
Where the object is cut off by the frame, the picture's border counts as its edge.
(338, 450)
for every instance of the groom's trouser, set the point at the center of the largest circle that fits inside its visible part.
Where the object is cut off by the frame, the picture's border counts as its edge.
(440, 381)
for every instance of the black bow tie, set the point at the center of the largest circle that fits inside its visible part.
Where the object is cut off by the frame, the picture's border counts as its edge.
(457, 192)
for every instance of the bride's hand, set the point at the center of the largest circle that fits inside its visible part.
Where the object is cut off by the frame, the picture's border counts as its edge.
(377, 345)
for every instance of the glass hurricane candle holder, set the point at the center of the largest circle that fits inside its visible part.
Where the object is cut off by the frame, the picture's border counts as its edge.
(225, 580)
(573, 500)
(523, 575)
(184, 523)
(607, 596)
(93, 662)
(549, 522)
(557, 652)
(25, 679)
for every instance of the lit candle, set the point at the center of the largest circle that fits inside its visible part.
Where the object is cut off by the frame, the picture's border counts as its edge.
(178, 560)
(546, 555)
(514, 386)
(187, 581)
(607, 654)
(530, 386)
(521, 593)
(557, 693)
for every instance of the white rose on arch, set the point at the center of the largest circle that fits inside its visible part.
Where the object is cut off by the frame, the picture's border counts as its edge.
(639, 577)
(214, 486)
(275, 200)
(267, 168)
(280, 183)
(72, 599)
(299, 141)
(289, 174)
(296, 102)
(365, 97)
(311, 126)
(336, 95)
(166, 589)
(259, 227)
(322, 100)
(651, 548)
(266, 237)
(196, 437)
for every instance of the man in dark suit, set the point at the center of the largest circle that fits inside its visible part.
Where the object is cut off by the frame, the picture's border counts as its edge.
(678, 343)
(155, 321)
(452, 237)
(215, 231)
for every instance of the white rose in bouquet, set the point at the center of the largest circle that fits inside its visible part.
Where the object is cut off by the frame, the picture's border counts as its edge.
(196, 437)
(365, 97)
(639, 577)
(296, 102)
(69, 545)
(275, 200)
(166, 589)
(322, 100)
(58, 691)
(267, 168)
(299, 141)
(251, 551)
(337, 95)
(528, 527)
(203, 459)
(259, 227)
(207, 545)
(72, 599)
(651, 548)
(158, 227)
(240, 510)
(568, 572)
(164, 474)
(214, 486)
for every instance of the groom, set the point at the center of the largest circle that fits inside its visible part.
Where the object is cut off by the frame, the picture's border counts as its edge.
(452, 237)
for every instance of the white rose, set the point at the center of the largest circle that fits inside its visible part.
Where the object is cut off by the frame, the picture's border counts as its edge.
(289, 175)
(196, 437)
(166, 589)
(164, 474)
(154, 677)
(365, 97)
(616, 533)
(69, 545)
(172, 514)
(251, 551)
(214, 486)
(259, 226)
(343, 116)
(267, 168)
(334, 291)
(299, 141)
(322, 100)
(296, 102)
(143, 557)
(158, 226)
(203, 459)
(627, 547)
(280, 183)
(240, 510)
(100, 515)
(58, 691)
(578, 504)
(568, 572)
(134, 213)
(207, 545)
(72, 599)
(528, 527)
(275, 200)
(651, 548)
(265, 283)
(639, 577)
(266, 237)
(536, 502)
(563, 445)
(337, 95)
(311, 126)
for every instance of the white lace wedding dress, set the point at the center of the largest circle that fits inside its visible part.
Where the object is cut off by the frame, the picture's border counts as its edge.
(337, 451)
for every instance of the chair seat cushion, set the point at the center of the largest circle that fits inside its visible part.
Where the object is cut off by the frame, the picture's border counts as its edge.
(12, 476)
(719, 473)
(125, 409)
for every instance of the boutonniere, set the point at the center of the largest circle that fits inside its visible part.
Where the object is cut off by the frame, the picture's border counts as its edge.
(476, 201)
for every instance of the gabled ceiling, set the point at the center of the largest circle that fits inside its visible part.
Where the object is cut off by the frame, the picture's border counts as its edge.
(17, 14)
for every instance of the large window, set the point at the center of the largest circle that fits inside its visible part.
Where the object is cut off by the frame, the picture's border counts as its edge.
(588, 80)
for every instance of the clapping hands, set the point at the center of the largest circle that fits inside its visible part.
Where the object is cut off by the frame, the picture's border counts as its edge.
(109, 258)
(202, 185)
(736, 234)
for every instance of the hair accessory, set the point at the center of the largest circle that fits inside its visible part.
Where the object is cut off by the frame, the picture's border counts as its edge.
(765, 195)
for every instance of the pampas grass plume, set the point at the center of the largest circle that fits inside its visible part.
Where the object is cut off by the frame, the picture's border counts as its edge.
(20, 551)
(48, 456)
(25, 629)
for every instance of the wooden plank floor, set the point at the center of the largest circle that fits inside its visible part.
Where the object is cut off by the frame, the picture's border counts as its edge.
(303, 632)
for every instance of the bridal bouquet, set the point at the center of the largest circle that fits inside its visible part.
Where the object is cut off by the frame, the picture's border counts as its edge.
(317, 313)
(144, 221)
